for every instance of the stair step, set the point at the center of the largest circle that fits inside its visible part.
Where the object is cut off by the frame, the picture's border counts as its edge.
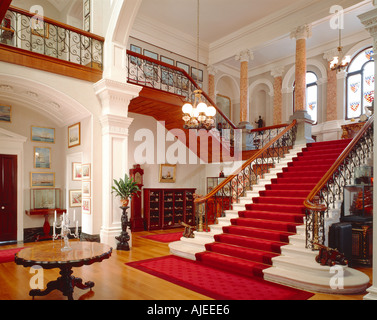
(258, 233)
(235, 265)
(242, 252)
(279, 216)
(266, 224)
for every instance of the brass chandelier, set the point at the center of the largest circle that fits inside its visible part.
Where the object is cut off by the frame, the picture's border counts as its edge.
(339, 62)
(198, 115)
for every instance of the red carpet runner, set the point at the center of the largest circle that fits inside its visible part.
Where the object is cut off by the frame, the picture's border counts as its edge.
(165, 237)
(214, 283)
(7, 255)
(248, 245)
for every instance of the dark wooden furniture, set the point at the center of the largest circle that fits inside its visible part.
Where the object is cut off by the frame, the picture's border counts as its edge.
(136, 219)
(46, 226)
(50, 256)
(168, 208)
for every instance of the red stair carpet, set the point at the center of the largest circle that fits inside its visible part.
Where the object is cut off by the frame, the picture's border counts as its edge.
(247, 246)
(215, 283)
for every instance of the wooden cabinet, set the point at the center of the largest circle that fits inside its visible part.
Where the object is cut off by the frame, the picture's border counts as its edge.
(167, 208)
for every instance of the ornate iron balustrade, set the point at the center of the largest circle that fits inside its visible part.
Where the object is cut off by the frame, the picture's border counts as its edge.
(221, 198)
(262, 136)
(152, 73)
(329, 189)
(24, 30)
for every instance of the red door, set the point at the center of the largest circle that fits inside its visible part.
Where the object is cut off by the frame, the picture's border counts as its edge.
(8, 197)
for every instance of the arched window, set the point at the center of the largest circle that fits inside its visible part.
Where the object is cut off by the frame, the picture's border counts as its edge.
(311, 96)
(360, 83)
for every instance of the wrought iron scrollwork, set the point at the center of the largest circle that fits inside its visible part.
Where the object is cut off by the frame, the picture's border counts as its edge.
(21, 30)
(329, 190)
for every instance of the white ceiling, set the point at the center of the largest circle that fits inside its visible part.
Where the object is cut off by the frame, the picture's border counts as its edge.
(224, 21)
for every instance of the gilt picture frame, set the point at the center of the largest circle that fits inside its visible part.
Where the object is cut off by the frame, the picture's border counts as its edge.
(167, 173)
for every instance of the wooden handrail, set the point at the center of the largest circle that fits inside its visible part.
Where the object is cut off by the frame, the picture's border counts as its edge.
(247, 162)
(57, 23)
(166, 65)
(278, 126)
(308, 203)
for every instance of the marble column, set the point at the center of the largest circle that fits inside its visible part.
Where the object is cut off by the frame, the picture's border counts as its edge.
(277, 73)
(211, 82)
(304, 122)
(332, 98)
(369, 20)
(244, 57)
(115, 98)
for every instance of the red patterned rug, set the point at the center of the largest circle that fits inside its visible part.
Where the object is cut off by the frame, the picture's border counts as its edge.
(8, 254)
(165, 237)
(215, 283)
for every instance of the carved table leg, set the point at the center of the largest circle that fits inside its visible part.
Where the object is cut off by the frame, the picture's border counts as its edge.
(65, 284)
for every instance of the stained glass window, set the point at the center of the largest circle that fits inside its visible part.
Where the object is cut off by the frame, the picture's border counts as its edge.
(360, 84)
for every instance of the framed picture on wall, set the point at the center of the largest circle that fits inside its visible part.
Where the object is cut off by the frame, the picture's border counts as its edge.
(225, 105)
(75, 198)
(197, 74)
(74, 135)
(42, 157)
(42, 134)
(167, 173)
(86, 175)
(86, 205)
(86, 189)
(42, 179)
(76, 171)
(5, 113)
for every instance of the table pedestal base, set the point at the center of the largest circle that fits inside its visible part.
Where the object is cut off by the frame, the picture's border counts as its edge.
(65, 284)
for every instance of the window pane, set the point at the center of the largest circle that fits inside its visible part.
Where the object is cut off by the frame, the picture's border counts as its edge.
(311, 102)
(311, 78)
(368, 84)
(354, 96)
(360, 59)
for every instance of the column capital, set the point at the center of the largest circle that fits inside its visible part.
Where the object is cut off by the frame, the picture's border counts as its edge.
(212, 70)
(302, 32)
(277, 72)
(245, 56)
(330, 54)
(115, 96)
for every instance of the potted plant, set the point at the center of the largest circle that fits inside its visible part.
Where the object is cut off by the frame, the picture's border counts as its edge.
(125, 188)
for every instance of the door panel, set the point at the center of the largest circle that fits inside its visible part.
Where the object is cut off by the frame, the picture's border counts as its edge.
(8, 197)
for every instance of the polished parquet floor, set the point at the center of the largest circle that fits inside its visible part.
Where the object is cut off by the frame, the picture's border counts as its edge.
(114, 280)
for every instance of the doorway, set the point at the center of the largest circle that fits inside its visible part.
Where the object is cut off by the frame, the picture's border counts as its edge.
(8, 197)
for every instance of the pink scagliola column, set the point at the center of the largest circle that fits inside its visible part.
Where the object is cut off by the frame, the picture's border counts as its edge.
(244, 57)
(277, 73)
(304, 122)
(211, 83)
(332, 87)
(300, 34)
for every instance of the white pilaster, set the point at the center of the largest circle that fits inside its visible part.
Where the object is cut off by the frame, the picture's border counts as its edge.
(115, 98)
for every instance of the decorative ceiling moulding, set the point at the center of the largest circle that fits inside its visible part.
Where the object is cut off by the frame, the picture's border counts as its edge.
(273, 27)
(57, 106)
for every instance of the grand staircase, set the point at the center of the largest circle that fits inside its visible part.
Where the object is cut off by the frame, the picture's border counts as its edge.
(264, 235)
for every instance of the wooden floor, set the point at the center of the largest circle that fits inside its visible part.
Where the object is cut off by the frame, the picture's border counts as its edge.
(114, 280)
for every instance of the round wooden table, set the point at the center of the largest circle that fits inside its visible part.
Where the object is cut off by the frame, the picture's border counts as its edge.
(50, 256)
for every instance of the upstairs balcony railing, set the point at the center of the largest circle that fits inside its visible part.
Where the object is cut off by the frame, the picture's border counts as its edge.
(24, 30)
(152, 73)
(329, 189)
(228, 192)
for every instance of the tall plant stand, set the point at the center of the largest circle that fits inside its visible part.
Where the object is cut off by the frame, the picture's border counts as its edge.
(124, 237)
